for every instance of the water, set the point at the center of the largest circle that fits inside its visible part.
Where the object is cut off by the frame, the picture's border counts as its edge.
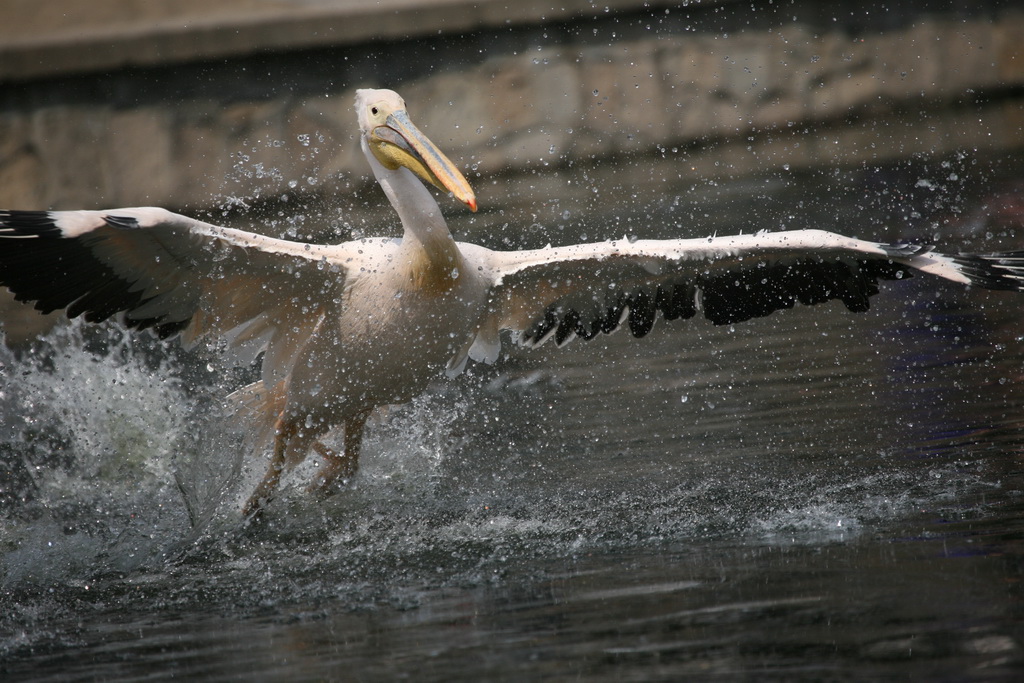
(812, 495)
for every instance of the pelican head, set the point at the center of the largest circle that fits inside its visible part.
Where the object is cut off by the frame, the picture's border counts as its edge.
(396, 143)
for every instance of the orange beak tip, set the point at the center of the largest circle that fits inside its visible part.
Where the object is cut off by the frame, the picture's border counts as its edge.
(471, 203)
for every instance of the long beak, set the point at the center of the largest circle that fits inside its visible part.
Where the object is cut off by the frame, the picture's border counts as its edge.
(398, 143)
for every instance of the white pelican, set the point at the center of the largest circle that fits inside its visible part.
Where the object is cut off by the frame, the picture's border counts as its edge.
(353, 326)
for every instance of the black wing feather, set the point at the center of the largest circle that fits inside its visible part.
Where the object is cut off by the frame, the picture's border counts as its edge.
(38, 263)
(725, 298)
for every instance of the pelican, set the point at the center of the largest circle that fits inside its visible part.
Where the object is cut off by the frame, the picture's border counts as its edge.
(349, 327)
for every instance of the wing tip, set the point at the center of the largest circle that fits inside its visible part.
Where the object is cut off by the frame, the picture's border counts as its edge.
(1001, 271)
(16, 224)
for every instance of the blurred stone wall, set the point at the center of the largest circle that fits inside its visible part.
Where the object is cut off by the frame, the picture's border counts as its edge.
(572, 90)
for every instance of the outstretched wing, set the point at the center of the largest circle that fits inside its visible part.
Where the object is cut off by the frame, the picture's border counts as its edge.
(582, 290)
(173, 274)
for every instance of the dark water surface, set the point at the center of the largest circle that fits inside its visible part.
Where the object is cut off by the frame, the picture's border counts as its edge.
(812, 495)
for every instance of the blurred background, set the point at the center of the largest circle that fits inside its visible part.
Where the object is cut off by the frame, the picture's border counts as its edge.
(124, 102)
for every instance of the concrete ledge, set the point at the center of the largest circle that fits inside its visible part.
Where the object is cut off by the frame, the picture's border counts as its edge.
(45, 39)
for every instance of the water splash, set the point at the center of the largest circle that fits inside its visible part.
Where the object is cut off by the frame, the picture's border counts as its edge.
(90, 426)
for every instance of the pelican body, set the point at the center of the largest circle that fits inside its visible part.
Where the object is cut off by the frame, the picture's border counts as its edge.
(349, 327)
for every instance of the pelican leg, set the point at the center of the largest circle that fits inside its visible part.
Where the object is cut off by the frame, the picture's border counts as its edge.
(286, 429)
(340, 467)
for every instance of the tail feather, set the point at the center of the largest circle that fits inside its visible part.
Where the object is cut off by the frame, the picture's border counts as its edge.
(259, 407)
